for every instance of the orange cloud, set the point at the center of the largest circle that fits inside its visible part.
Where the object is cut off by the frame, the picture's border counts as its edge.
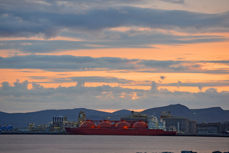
(125, 29)
(201, 51)
(47, 79)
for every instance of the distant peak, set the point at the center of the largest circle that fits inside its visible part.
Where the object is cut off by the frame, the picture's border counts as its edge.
(178, 105)
(211, 109)
(122, 110)
(216, 108)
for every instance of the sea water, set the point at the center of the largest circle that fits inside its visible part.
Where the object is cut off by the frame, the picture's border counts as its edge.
(110, 144)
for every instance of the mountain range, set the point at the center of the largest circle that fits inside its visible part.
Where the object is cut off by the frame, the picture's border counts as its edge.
(21, 120)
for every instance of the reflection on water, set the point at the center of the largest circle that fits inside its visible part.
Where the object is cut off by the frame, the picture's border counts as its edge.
(109, 144)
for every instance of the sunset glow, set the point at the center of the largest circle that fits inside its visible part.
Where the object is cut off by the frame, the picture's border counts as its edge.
(127, 58)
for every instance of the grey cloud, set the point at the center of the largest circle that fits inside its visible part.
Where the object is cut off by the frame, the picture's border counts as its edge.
(150, 63)
(144, 39)
(49, 23)
(42, 46)
(57, 63)
(162, 77)
(75, 63)
(93, 25)
(104, 97)
(199, 84)
(223, 62)
(106, 39)
(38, 77)
(175, 1)
(100, 79)
(64, 6)
(81, 80)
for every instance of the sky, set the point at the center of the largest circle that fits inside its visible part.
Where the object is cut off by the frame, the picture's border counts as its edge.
(113, 54)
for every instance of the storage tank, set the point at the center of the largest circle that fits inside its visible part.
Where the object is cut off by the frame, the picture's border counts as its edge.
(105, 124)
(140, 125)
(122, 125)
(88, 124)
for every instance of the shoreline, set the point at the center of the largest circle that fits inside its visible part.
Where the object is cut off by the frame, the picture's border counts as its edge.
(64, 133)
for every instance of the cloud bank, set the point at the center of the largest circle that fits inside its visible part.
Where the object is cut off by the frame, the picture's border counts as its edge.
(40, 29)
(19, 98)
(77, 63)
(93, 25)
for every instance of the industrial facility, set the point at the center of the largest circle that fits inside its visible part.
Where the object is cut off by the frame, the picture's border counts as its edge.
(136, 120)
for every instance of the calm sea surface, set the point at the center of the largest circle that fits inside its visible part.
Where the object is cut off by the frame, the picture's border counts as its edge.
(109, 144)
